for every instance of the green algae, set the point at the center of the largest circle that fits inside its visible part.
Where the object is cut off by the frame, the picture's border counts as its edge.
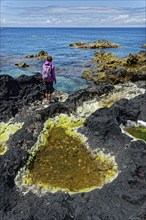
(6, 130)
(137, 132)
(63, 162)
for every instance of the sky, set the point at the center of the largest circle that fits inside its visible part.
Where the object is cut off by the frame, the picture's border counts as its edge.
(75, 13)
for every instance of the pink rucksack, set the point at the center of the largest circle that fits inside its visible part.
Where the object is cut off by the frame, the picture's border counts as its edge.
(46, 72)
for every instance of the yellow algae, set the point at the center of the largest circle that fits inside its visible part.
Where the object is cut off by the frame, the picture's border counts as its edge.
(7, 129)
(3, 148)
(63, 162)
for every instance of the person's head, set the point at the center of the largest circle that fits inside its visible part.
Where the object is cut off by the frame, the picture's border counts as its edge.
(49, 58)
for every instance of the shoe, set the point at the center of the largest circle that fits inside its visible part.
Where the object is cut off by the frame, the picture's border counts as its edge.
(52, 101)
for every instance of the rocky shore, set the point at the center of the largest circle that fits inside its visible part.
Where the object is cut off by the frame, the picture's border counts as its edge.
(101, 119)
(110, 69)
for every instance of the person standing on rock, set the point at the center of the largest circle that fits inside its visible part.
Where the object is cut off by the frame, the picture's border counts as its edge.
(49, 77)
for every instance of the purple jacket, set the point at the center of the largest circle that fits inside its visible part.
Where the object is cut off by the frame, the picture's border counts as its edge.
(53, 75)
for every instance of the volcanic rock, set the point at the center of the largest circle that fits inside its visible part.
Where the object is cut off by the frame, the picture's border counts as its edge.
(16, 93)
(124, 198)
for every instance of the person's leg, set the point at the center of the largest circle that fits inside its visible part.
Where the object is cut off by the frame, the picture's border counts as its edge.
(46, 90)
(50, 89)
(46, 95)
(49, 96)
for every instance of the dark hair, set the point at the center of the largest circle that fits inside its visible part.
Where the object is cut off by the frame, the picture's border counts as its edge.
(49, 58)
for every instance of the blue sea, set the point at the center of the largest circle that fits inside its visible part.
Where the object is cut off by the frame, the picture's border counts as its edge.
(16, 43)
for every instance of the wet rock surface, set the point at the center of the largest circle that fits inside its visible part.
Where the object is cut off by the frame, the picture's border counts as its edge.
(124, 198)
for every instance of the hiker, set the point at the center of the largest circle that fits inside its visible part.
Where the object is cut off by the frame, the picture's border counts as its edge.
(49, 77)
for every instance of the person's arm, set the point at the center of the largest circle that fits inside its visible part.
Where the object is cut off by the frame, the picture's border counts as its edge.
(53, 74)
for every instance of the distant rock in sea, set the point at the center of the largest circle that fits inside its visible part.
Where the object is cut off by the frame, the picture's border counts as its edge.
(144, 46)
(102, 44)
(23, 65)
(42, 55)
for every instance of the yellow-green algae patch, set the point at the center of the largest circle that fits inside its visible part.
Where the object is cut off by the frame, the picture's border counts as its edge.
(127, 91)
(138, 132)
(63, 162)
(87, 108)
(7, 129)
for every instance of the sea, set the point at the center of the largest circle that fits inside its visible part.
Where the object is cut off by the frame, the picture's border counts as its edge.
(16, 43)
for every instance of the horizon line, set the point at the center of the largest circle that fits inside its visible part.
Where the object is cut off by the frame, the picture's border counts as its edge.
(72, 27)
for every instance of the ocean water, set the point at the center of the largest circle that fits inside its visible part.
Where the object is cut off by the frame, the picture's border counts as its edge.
(16, 43)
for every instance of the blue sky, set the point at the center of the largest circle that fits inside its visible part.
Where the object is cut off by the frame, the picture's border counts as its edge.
(76, 13)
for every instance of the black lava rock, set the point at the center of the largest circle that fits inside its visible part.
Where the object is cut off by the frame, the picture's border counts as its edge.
(123, 198)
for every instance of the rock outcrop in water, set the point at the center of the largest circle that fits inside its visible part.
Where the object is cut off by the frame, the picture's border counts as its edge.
(123, 198)
(42, 55)
(110, 69)
(23, 65)
(144, 45)
(102, 44)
